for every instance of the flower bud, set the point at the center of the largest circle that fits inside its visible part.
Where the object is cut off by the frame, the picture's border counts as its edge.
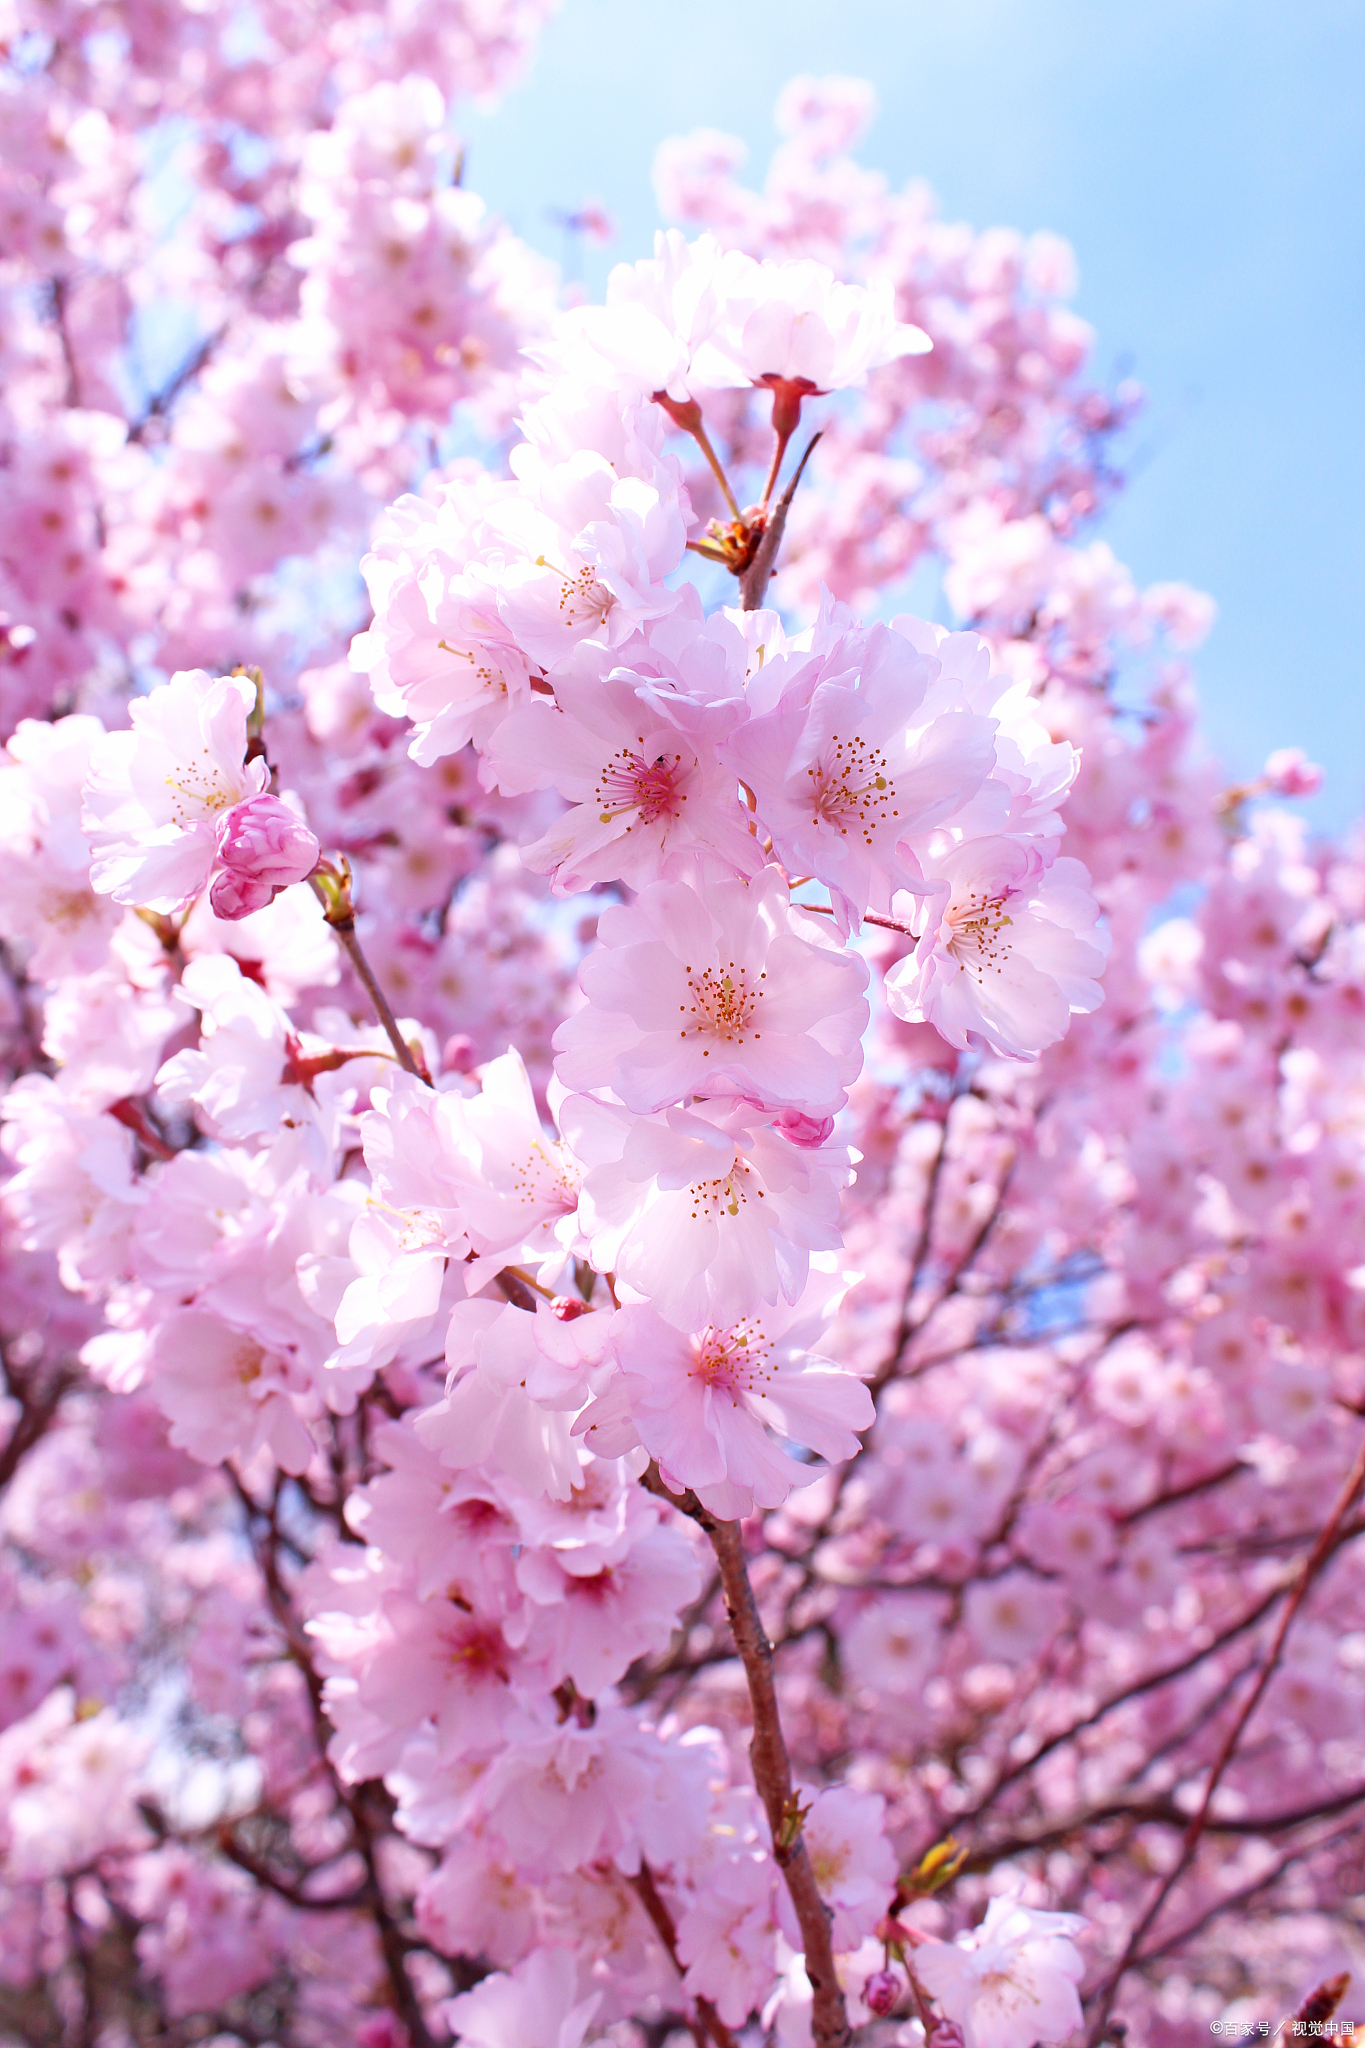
(263, 846)
(881, 1992)
(1289, 772)
(805, 1131)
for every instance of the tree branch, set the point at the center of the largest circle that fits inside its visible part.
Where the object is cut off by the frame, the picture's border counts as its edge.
(754, 582)
(771, 1765)
(1308, 1571)
(647, 1892)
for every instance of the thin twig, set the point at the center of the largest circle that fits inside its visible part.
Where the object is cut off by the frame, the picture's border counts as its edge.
(160, 403)
(73, 379)
(773, 1780)
(754, 582)
(1308, 1571)
(647, 1892)
(37, 1409)
(344, 927)
(263, 1534)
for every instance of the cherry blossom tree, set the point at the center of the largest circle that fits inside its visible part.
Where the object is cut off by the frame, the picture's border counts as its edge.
(683, 1304)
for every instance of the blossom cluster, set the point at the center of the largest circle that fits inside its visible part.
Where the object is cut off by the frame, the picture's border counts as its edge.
(682, 1311)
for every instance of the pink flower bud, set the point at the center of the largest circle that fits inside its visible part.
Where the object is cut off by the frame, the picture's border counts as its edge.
(568, 1307)
(263, 846)
(236, 895)
(803, 1130)
(382, 2030)
(459, 1054)
(881, 1992)
(1290, 773)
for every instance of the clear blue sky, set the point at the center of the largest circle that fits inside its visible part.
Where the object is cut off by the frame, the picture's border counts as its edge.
(1207, 160)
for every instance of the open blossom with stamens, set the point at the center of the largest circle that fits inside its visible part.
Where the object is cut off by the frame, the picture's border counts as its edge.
(729, 993)
(716, 1406)
(453, 1174)
(437, 652)
(1006, 954)
(157, 794)
(589, 559)
(638, 767)
(707, 1212)
(849, 757)
(1012, 1981)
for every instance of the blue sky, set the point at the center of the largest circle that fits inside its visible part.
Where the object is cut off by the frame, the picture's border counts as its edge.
(1207, 160)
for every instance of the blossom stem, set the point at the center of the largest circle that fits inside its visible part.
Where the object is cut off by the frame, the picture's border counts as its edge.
(699, 435)
(754, 582)
(779, 450)
(336, 908)
(888, 924)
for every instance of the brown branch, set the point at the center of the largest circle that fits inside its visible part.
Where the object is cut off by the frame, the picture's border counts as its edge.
(1308, 1571)
(1248, 1891)
(394, 1946)
(160, 403)
(58, 286)
(1190, 1491)
(754, 582)
(773, 1779)
(1149, 1683)
(37, 1408)
(263, 1875)
(1147, 1812)
(771, 1765)
(905, 1324)
(647, 1892)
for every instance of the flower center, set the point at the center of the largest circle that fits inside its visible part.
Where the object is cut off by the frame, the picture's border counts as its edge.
(723, 1004)
(477, 1649)
(976, 926)
(547, 1178)
(733, 1361)
(649, 788)
(199, 792)
(582, 598)
(850, 788)
(418, 1230)
(248, 1362)
(483, 673)
(68, 907)
(725, 1197)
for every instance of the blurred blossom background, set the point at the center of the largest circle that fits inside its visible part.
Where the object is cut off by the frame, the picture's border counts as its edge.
(1205, 158)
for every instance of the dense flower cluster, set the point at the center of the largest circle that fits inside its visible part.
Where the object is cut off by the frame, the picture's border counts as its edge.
(684, 1282)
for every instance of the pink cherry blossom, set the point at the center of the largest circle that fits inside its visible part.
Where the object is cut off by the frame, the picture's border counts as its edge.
(637, 765)
(157, 794)
(534, 2007)
(381, 1657)
(706, 1212)
(850, 758)
(1006, 955)
(1012, 1981)
(708, 1406)
(731, 993)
